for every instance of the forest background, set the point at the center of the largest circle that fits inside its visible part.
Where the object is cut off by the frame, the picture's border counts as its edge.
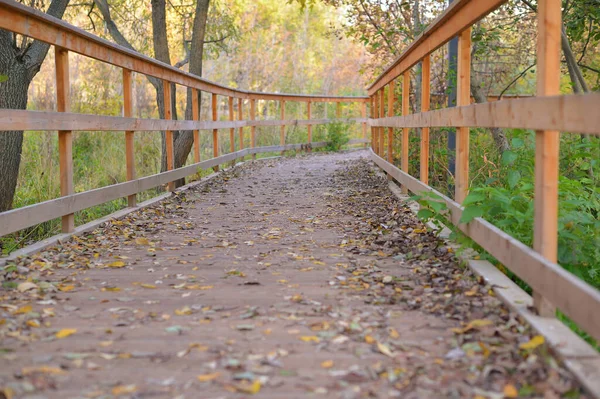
(331, 47)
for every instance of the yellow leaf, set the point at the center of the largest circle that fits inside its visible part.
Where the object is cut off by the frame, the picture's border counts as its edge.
(111, 289)
(208, 377)
(186, 310)
(33, 323)
(510, 391)
(23, 309)
(319, 263)
(8, 393)
(369, 339)
(310, 338)
(116, 264)
(282, 281)
(384, 349)
(532, 343)
(123, 389)
(65, 332)
(251, 389)
(327, 364)
(474, 324)
(147, 286)
(394, 334)
(66, 288)
(142, 241)
(42, 369)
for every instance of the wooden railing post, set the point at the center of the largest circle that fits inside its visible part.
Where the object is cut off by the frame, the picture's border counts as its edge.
(425, 101)
(405, 131)
(215, 132)
(463, 97)
(376, 129)
(253, 128)
(547, 143)
(196, 117)
(391, 100)
(241, 118)
(231, 130)
(282, 131)
(65, 137)
(168, 133)
(381, 115)
(129, 135)
(364, 124)
(338, 110)
(308, 115)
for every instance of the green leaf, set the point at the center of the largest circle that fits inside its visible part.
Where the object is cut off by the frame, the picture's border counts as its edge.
(470, 213)
(425, 214)
(518, 142)
(436, 206)
(513, 178)
(509, 157)
(473, 198)
(3, 78)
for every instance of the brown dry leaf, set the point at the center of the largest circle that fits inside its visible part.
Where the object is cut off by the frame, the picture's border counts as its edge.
(142, 241)
(124, 389)
(474, 324)
(42, 369)
(369, 339)
(208, 377)
(65, 332)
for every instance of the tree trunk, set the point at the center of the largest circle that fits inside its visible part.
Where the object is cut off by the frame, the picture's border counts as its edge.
(13, 95)
(497, 133)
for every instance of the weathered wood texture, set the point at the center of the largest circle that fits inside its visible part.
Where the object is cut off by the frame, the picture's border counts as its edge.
(129, 135)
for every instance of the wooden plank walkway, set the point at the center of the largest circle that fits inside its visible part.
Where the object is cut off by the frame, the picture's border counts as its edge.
(286, 278)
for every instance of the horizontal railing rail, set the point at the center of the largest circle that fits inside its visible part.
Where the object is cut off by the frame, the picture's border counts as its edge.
(548, 113)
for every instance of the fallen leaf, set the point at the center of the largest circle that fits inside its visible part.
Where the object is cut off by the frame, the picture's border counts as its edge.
(510, 391)
(384, 349)
(208, 377)
(474, 324)
(42, 369)
(116, 264)
(23, 309)
(150, 286)
(142, 241)
(251, 389)
(532, 343)
(310, 338)
(65, 332)
(327, 364)
(123, 389)
(26, 286)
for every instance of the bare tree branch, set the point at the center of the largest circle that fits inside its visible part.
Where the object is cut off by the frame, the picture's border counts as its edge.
(36, 53)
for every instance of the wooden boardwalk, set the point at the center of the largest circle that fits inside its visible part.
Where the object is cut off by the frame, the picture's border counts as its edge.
(286, 278)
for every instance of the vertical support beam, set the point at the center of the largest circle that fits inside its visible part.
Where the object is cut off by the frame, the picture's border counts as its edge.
(129, 135)
(253, 128)
(405, 131)
(196, 117)
(376, 129)
(381, 115)
(215, 132)
(338, 110)
(168, 133)
(390, 145)
(547, 143)
(282, 132)
(308, 114)
(65, 137)
(461, 178)
(363, 114)
(231, 130)
(240, 118)
(425, 101)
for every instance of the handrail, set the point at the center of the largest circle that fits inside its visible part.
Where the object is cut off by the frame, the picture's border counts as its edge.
(547, 114)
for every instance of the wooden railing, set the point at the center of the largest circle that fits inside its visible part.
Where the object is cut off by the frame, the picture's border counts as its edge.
(547, 113)
(66, 38)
